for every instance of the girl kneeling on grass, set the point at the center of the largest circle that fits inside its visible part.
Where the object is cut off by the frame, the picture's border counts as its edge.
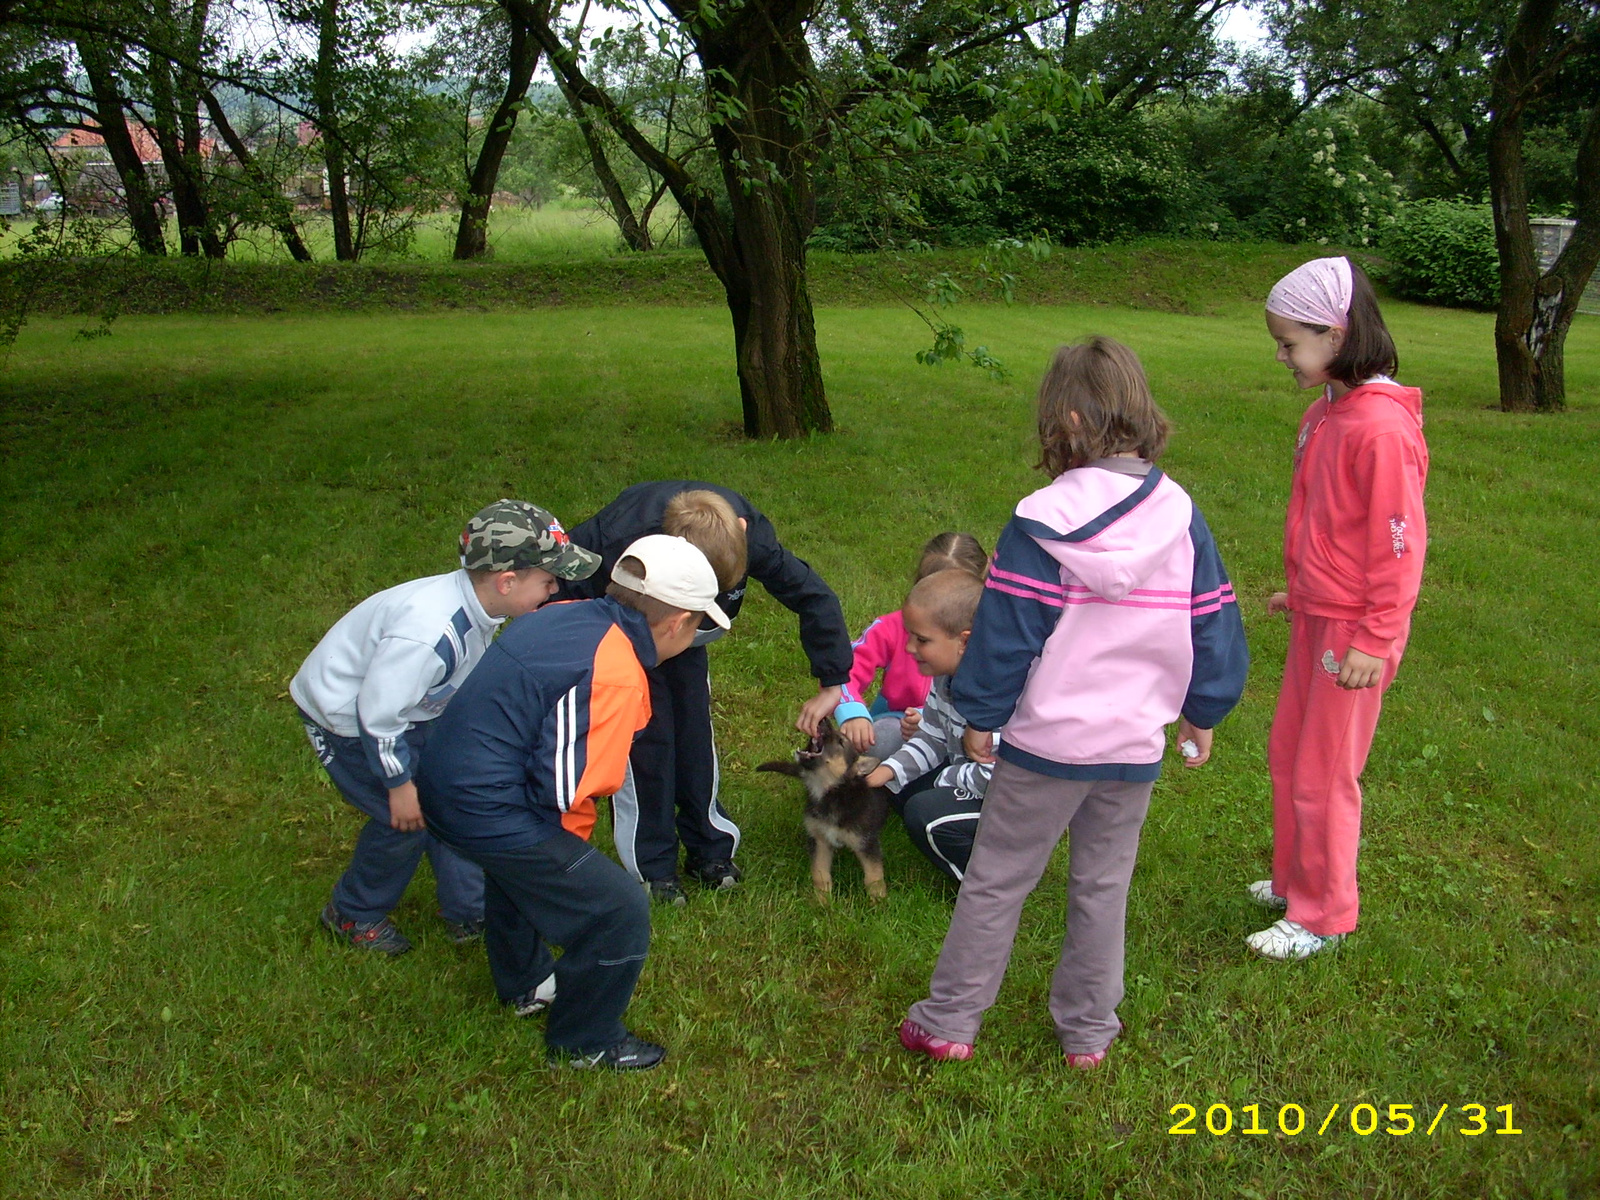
(1106, 615)
(1352, 553)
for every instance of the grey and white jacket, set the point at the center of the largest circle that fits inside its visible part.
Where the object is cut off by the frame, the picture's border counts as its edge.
(392, 662)
(935, 744)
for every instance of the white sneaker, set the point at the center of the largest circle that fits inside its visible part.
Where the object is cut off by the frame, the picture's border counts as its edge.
(532, 1003)
(1261, 892)
(1287, 941)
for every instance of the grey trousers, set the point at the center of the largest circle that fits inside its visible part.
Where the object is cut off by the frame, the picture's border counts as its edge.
(1024, 816)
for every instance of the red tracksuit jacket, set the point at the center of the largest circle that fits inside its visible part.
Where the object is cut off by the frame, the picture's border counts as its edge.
(1356, 532)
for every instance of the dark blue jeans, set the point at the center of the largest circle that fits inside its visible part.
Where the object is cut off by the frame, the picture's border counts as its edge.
(564, 892)
(385, 858)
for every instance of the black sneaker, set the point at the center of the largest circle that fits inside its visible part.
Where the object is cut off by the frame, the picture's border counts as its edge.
(716, 875)
(630, 1054)
(668, 891)
(463, 933)
(381, 936)
(531, 1004)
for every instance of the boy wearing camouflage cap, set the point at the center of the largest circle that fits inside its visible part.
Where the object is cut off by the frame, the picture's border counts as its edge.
(370, 690)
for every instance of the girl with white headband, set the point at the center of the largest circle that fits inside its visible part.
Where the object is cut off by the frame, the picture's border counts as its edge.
(1353, 547)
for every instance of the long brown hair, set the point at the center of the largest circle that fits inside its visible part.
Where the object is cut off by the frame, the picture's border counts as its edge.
(1101, 383)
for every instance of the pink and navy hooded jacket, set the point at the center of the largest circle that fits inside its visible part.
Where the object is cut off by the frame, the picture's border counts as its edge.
(1106, 614)
(1356, 533)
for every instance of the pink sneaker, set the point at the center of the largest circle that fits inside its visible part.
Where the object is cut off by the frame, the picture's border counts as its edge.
(915, 1037)
(1088, 1062)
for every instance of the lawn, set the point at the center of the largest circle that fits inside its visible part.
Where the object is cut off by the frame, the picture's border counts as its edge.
(190, 502)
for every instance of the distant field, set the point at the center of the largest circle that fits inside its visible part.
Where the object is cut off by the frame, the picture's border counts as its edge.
(188, 503)
(560, 231)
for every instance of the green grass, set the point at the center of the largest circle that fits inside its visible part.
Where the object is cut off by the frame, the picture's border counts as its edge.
(191, 502)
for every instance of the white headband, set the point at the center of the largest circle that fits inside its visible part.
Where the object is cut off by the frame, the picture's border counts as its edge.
(1315, 293)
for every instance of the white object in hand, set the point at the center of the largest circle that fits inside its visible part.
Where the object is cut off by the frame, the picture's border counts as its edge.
(1188, 749)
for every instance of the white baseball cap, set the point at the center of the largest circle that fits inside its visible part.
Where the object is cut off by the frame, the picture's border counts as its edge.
(675, 573)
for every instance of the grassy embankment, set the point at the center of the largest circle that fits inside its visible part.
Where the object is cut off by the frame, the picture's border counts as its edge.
(188, 505)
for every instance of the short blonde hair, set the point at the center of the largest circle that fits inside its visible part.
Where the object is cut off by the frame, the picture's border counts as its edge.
(949, 598)
(708, 521)
(1101, 383)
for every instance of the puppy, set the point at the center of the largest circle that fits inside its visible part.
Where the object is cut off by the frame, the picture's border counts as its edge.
(841, 812)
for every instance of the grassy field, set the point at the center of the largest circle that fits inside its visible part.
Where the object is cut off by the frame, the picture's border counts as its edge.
(189, 503)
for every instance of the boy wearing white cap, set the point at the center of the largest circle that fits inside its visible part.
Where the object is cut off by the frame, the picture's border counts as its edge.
(535, 734)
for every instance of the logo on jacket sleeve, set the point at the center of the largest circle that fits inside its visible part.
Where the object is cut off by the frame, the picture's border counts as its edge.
(1397, 535)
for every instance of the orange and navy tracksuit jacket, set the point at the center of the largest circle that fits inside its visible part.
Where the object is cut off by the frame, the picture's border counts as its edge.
(541, 728)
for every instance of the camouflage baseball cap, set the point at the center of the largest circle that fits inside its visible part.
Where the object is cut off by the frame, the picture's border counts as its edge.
(512, 534)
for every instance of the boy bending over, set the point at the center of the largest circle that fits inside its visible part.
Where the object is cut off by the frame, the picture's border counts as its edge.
(671, 789)
(542, 728)
(371, 690)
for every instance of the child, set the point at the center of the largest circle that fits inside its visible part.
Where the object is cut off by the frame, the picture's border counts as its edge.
(939, 807)
(369, 692)
(671, 789)
(1352, 551)
(882, 647)
(542, 728)
(1106, 615)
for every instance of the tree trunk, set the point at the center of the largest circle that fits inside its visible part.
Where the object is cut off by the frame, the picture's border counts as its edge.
(472, 231)
(137, 195)
(635, 234)
(324, 96)
(188, 187)
(271, 195)
(1536, 310)
(755, 63)
(754, 67)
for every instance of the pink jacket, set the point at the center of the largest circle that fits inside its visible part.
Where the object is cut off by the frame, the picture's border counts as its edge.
(1356, 533)
(882, 646)
(1107, 612)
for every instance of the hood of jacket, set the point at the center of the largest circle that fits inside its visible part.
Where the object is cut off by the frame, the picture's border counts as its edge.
(1078, 520)
(1374, 399)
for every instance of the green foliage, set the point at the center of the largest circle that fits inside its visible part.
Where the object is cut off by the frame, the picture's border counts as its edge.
(1327, 190)
(1099, 177)
(1443, 252)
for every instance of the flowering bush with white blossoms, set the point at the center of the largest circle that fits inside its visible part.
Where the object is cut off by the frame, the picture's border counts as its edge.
(1328, 190)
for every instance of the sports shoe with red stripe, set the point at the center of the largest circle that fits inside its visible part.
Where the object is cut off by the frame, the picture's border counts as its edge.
(382, 936)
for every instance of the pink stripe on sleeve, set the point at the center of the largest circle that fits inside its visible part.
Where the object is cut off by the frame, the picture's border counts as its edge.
(1014, 591)
(997, 573)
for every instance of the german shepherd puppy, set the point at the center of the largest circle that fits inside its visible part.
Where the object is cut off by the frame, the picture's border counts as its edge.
(841, 811)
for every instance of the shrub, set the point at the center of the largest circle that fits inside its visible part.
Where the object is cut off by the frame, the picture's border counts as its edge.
(1443, 252)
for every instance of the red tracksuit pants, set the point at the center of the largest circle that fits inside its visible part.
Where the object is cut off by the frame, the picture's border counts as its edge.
(1321, 733)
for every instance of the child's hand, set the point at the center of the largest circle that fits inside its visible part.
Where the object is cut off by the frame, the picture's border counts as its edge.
(910, 722)
(879, 776)
(1201, 739)
(815, 709)
(405, 810)
(1277, 603)
(859, 733)
(979, 745)
(1359, 670)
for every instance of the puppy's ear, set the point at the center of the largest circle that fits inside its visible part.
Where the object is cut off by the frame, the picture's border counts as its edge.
(785, 767)
(866, 765)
